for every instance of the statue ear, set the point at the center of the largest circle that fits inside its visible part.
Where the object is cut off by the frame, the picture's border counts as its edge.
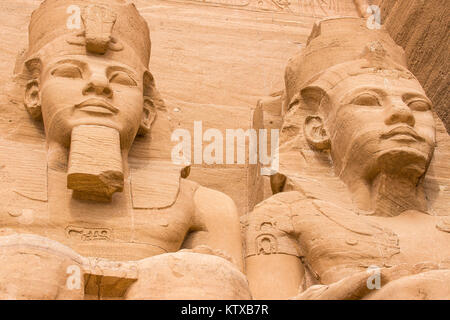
(316, 98)
(32, 99)
(150, 95)
(150, 88)
(315, 133)
(148, 116)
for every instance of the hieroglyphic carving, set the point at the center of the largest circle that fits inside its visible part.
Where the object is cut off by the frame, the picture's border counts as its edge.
(269, 234)
(88, 234)
(296, 7)
(225, 3)
(266, 243)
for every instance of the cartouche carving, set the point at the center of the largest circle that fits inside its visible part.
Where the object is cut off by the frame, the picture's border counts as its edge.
(88, 234)
(269, 234)
(358, 181)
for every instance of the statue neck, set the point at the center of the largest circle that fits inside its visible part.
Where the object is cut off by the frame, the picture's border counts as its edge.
(388, 194)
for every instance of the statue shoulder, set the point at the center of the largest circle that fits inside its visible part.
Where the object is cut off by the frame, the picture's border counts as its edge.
(268, 229)
(188, 187)
(295, 213)
(210, 202)
(216, 224)
(277, 211)
(326, 236)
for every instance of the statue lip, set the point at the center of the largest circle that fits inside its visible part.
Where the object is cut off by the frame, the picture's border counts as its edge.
(402, 130)
(97, 105)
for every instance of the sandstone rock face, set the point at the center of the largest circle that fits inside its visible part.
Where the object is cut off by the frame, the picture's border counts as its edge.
(97, 203)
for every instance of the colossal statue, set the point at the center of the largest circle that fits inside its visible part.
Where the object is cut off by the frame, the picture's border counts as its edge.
(360, 209)
(92, 206)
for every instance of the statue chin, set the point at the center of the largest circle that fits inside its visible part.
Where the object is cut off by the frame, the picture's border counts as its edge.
(62, 130)
(402, 161)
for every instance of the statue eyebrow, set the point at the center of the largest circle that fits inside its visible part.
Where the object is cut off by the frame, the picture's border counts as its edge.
(78, 63)
(123, 69)
(411, 95)
(349, 94)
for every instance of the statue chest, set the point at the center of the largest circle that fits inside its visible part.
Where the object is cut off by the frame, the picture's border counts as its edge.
(336, 243)
(113, 230)
(136, 234)
(422, 238)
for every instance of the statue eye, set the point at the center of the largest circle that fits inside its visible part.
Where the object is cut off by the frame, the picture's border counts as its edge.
(366, 99)
(68, 71)
(123, 79)
(419, 105)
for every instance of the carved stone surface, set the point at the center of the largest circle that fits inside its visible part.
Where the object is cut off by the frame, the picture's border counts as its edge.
(418, 26)
(95, 169)
(92, 206)
(363, 181)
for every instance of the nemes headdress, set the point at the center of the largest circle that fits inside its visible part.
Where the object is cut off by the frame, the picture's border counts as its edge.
(338, 47)
(111, 27)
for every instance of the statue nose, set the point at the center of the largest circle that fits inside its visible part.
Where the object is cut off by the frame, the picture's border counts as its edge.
(400, 113)
(99, 86)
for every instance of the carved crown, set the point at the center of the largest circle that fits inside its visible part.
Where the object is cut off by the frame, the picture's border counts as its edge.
(342, 41)
(95, 26)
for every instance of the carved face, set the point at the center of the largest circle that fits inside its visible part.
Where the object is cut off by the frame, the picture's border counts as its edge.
(380, 123)
(83, 89)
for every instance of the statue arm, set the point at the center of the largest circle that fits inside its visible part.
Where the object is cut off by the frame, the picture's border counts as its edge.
(216, 225)
(274, 276)
(272, 255)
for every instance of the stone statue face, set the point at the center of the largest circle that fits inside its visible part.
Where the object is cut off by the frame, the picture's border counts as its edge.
(379, 122)
(90, 90)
